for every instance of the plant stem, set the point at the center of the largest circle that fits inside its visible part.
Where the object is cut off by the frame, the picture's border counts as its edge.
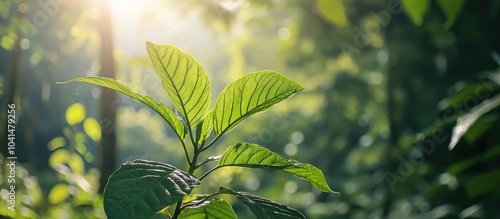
(185, 151)
(211, 143)
(210, 171)
(192, 168)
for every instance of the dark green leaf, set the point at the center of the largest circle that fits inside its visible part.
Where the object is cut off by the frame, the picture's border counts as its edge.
(119, 86)
(141, 188)
(253, 93)
(255, 156)
(473, 89)
(464, 164)
(486, 183)
(185, 81)
(480, 127)
(213, 209)
(416, 9)
(264, 208)
(451, 9)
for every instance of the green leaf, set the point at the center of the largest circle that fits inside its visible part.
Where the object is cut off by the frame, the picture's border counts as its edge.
(463, 95)
(161, 109)
(204, 128)
(482, 184)
(466, 121)
(213, 209)
(141, 188)
(311, 174)
(416, 9)
(465, 164)
(255, 156)
(58, 193)
(184, 79)
(451, 8)
(264, 208)
(479, 128)
(75, 113)
(253, 93)
(332, 11)
(92, 129)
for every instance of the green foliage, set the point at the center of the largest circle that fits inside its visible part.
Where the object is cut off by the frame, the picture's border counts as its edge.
(255, 156)
(332, 11)
(213, 209)
(416, 10)
(466, 121)
(253, 93)
(161, 109)
(264, 208)
(141, 188)
(451, 9)
(185, 81)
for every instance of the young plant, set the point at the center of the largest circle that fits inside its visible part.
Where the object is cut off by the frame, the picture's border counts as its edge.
(143, 188)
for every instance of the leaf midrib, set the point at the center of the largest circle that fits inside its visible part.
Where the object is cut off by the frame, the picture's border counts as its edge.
(155, 47)
(249, 113)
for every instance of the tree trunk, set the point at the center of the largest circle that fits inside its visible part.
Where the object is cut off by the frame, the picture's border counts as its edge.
(108, 97)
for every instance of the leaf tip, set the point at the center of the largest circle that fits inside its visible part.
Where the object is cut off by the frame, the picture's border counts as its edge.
(149, 44)
(63, 82)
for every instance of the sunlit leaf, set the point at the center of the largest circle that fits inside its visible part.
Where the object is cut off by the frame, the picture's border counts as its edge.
(205, 127)
(75, 162)
(58, 193)
(482, 184)
(451, 8)
(253, 93)
(75, 113)
(255, 156)
(264, 208)
(332, 11)
(184, 79)
(465, 121)
(56, 143)
(416, 9)
(92, 128)
(8, 41)
(141, 188)
(213, 209)
(161, 109)
(311, 174)
(59, 157)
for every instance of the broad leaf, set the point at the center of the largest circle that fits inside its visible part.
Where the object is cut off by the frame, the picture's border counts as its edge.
(483, 184)
(264, 208)
(204, 128)
(141, 188)
(451, 8)
(332, 11)
(255, 156)
(213, 209)
(464, 164)
(161, 109)
(253, 93)
(464, 122)
(416, 9)
(185, 81)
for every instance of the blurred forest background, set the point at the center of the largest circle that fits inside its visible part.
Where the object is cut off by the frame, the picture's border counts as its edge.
(400, 110)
